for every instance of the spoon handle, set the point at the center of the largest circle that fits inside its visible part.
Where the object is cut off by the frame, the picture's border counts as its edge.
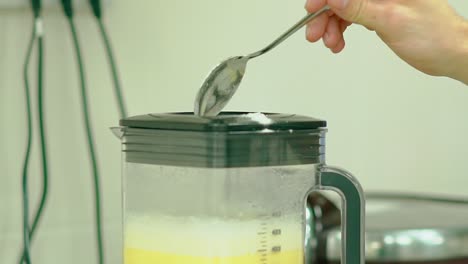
(288, 33)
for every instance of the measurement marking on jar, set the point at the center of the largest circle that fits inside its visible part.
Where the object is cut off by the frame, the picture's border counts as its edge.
(276, 232)
(264, 234)
(276, 249)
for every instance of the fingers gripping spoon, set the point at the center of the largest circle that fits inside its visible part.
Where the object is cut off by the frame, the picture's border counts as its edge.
(224, 79)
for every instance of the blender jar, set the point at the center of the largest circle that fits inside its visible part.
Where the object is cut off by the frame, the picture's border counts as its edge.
(228, 189)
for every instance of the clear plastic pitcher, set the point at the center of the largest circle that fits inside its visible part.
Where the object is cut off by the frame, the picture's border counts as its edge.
(229, 189)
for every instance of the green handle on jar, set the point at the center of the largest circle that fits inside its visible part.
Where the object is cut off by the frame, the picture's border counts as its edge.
(353, 211)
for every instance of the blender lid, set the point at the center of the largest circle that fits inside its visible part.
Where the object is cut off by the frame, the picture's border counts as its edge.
(408, 228)
(229, 140)
(224, 122)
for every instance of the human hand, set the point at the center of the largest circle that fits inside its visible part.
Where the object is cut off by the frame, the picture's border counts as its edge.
(427, 34)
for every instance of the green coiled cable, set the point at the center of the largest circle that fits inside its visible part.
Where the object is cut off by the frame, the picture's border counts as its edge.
(96, 7)
(90, 140)
(36, 35)
(113, 66)
(25, 193)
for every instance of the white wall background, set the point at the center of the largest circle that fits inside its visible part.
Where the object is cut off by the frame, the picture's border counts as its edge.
(393, 127)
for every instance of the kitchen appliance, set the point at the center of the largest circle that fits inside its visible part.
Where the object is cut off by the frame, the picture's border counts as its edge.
(228, 189)
(403, 229)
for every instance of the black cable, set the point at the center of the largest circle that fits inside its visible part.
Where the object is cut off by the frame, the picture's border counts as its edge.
(97, 11)
(68, 10)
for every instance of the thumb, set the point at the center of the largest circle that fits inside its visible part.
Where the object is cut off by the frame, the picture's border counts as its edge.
(362, 12)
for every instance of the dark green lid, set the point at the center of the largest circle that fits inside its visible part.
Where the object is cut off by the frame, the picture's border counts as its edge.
(224, 122)
(231, 139)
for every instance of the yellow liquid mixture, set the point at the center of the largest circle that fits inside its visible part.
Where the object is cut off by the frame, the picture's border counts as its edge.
(169, 240)
(137, 256)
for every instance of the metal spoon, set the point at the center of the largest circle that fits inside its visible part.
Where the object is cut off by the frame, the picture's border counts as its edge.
(225, 78)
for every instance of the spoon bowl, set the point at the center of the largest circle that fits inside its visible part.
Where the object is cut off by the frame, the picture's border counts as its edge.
(220, 86)
(223, 81)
